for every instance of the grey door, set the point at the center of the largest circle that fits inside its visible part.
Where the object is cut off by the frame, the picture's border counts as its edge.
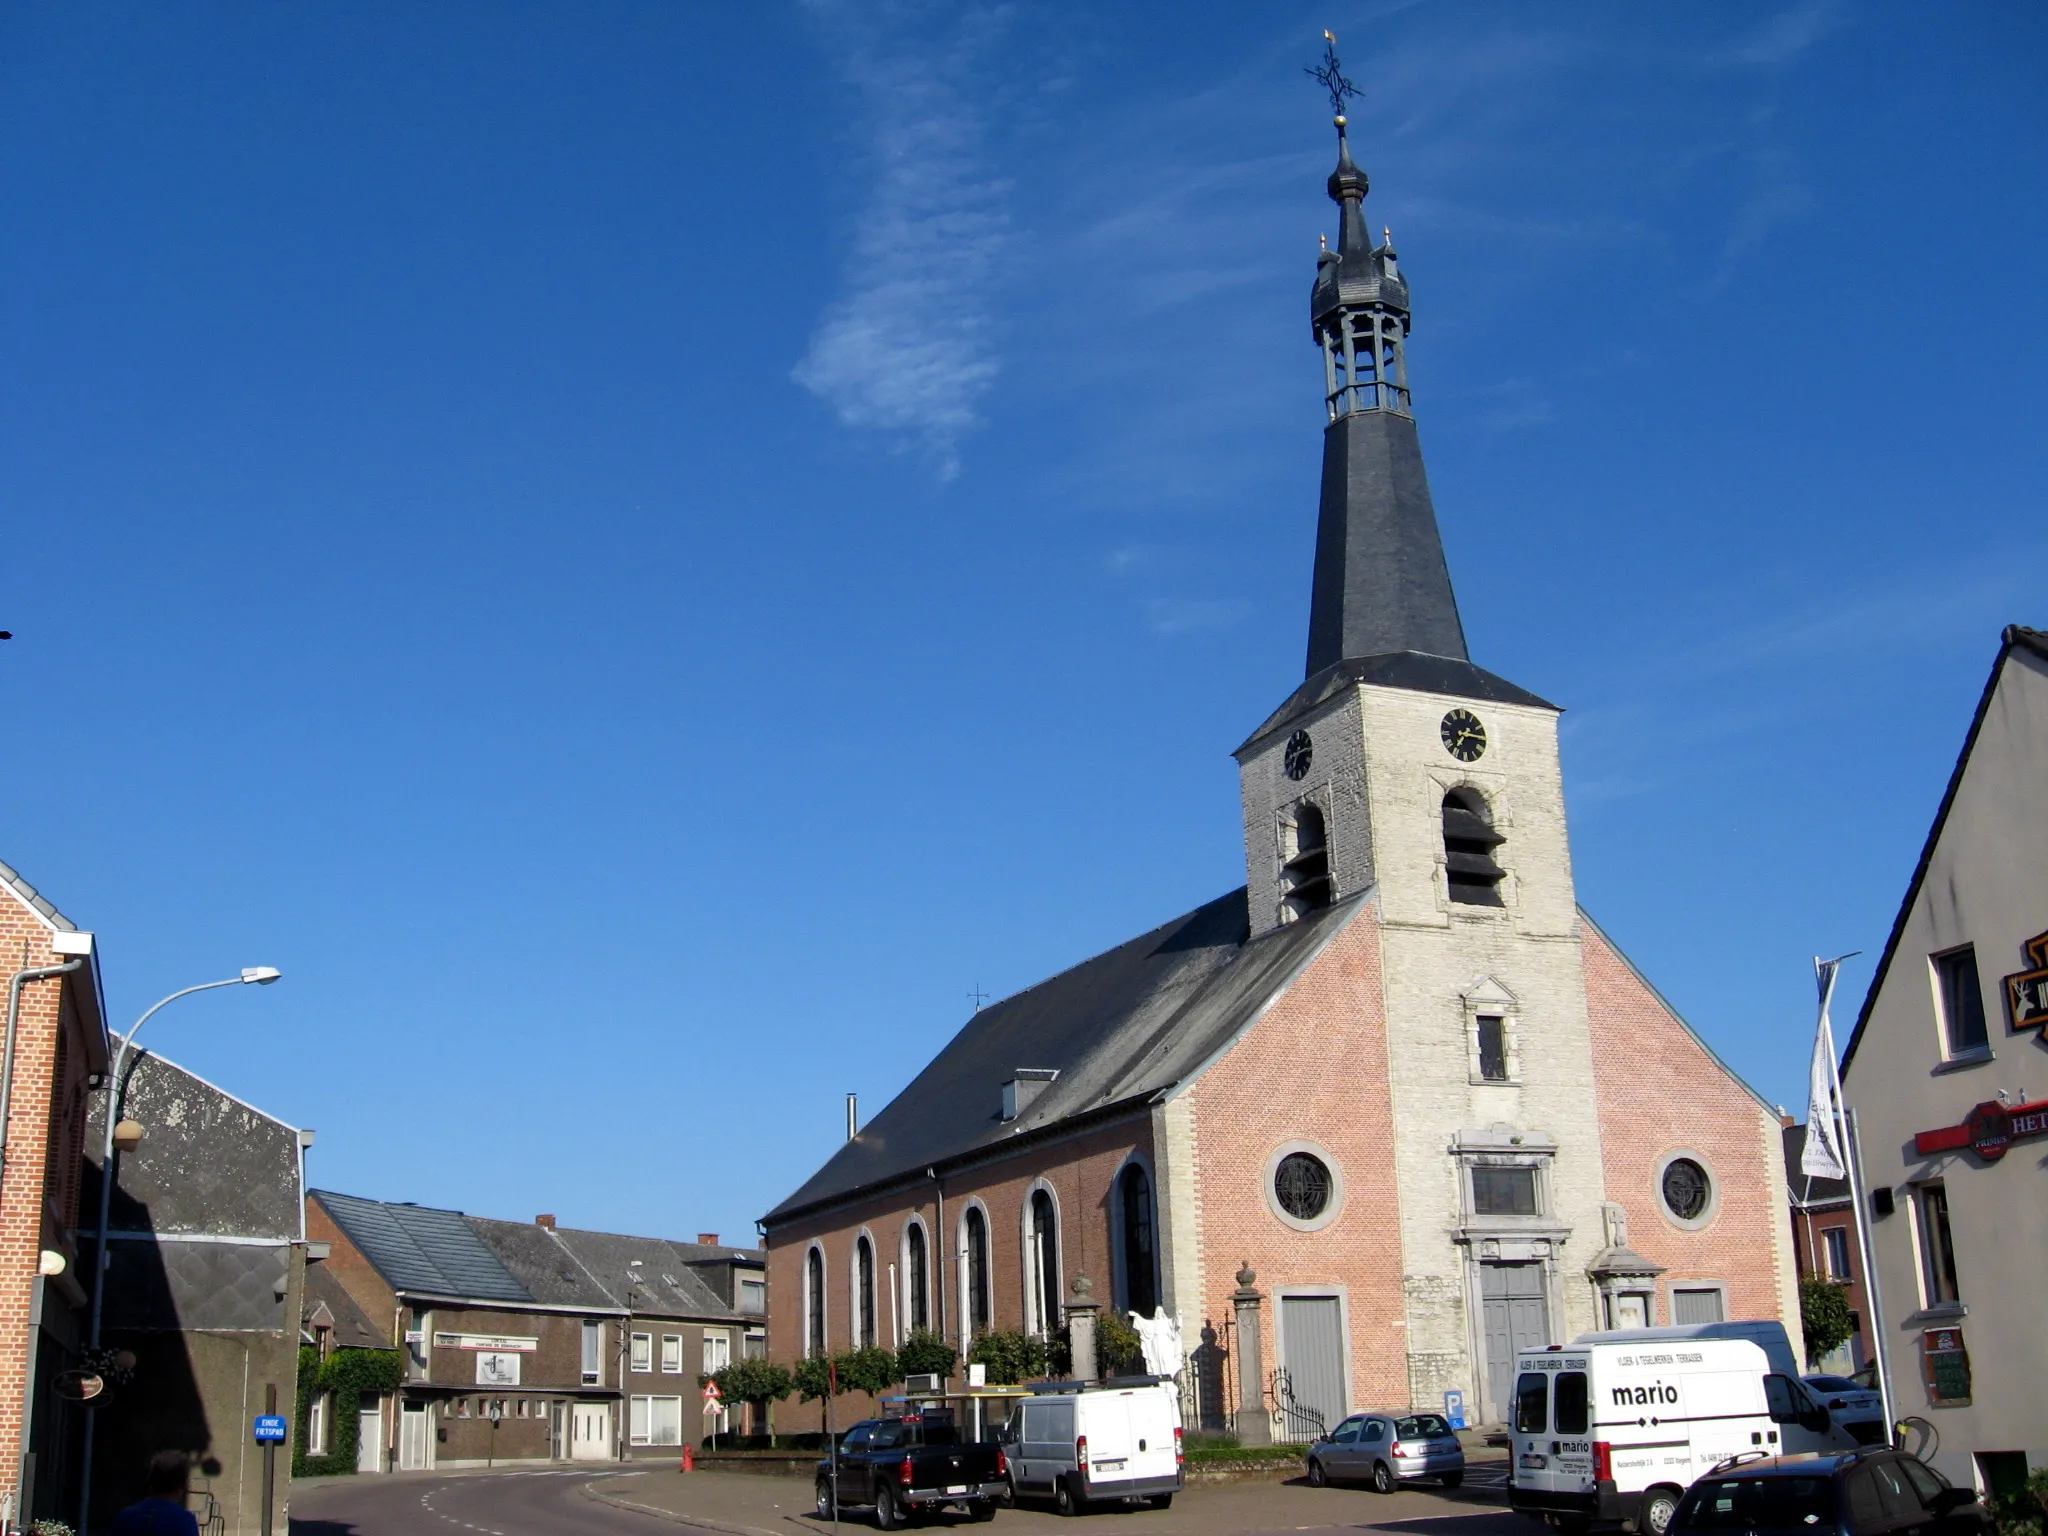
(1313, 1345)
(1516, 1317)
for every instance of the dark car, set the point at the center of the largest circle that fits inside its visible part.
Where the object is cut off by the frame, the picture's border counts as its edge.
(913, 1463)
(1852, 1493)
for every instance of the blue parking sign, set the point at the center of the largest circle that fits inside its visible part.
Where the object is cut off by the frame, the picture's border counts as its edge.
(1454, 1408)
(270, 1429)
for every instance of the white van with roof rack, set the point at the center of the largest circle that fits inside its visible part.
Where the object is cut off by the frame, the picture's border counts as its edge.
(1612, 1428)
(1080, 1443)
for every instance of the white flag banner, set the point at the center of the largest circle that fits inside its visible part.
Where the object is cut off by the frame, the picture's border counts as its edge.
(1822, 1158)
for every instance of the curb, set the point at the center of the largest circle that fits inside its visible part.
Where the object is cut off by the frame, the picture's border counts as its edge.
(594, 1490)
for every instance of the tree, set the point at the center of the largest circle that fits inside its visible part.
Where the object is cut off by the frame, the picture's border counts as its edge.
(1010, 1356)
(924, 1353)
(812, 1377)
(872, 1370)
(753, 1381)
(1824, 1316)
(1118, 1350)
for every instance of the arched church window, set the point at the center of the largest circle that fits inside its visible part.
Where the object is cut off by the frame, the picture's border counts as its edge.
(920, 1283)
(1469, 841)
(864, 1292)
(814, 1302)
(1305, 872)
(976, 1226)
(1045, 1264)
(1141, 1263)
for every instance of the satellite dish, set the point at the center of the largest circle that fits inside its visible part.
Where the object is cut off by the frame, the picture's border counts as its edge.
(79, 1386)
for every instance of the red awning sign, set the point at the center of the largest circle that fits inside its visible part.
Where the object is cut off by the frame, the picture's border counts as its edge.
(1988, 1130)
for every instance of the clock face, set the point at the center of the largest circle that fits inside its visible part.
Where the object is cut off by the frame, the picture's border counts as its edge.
(1301, 752)
(1464, 737)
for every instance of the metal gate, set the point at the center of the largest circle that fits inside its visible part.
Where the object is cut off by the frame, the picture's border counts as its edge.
(1312, 1365)
(1517, 1317)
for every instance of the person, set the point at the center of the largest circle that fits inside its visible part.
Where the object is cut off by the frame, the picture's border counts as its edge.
(162, 1511)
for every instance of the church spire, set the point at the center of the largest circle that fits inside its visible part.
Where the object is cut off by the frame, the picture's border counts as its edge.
(1381, 584)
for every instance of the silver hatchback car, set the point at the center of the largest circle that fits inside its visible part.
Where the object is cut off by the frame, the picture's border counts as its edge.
(1387, 1449)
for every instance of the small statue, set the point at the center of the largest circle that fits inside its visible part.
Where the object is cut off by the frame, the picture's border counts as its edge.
(1159, 1338)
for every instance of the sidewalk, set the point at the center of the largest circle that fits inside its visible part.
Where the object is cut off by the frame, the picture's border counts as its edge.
(772, 1506)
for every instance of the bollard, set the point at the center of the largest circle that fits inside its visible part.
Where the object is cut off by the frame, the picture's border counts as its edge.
(689, 1458)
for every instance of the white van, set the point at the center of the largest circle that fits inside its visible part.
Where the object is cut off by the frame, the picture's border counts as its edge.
(1075, 1443)
(1613, 1427)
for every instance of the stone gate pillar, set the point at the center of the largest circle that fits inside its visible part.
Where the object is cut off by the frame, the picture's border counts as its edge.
(1081, 1310)
(1254, 1425)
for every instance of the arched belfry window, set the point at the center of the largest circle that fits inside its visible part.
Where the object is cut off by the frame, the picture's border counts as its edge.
(1305, 869)
(1469, 841)
(975, 1229)
(914, 1263)
(814, 1302)
(1043, 1231)
(1140, 1245)
(863, 1292)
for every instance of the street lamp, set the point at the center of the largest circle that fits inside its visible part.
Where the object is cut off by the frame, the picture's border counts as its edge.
(124, 1136)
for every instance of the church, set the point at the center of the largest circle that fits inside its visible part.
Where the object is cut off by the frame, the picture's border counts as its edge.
(1368, 1125)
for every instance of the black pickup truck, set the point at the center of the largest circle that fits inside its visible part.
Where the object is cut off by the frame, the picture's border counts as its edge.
(913, 1462)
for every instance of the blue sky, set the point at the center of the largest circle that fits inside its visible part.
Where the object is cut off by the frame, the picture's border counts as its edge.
(642, 552)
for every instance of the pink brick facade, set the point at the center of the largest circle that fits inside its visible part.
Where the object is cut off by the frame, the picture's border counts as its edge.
(1282, 1083)
(1660, 1093)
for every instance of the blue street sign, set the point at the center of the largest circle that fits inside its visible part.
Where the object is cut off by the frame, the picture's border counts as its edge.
(1454, 1408)
(270, 1429)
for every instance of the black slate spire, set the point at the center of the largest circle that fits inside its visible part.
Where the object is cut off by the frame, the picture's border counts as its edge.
(1381, 584)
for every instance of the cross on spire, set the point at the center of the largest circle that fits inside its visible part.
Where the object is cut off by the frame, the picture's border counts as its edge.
(1330, 74)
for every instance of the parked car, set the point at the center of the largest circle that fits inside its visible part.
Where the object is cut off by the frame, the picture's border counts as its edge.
(1857, 1408)
(915, 1462)
(1081, 1445)
(1387, 1449)
(1850, 1493)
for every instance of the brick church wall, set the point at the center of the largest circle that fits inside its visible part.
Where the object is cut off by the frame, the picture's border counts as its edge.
(1660, 1091)
(1314, 1068)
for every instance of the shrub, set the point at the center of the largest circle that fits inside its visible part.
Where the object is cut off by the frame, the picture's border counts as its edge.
(1010, 1356)
(347, 1374)
(1824, 1316)
(924, 1353)
(872, 1370)
(1118, 1351)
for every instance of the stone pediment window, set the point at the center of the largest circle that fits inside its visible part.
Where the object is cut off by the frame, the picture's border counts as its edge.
(1504, 1184)
(1493, 1035)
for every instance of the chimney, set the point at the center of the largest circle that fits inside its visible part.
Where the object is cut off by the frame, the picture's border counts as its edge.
(545, 1221)
(708, 1239)
(1024, 1087)
(852, 1116)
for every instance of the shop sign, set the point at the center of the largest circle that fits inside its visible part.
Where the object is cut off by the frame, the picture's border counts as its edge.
(1989, 1130)
(497, 1343)
(1945, 1364)
(2026, 994)
(497, 1369)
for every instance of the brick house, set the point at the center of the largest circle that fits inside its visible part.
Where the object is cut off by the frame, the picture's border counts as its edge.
(1391, 1111)
(528, 1341)
(1824, 1245)
(59, 1049)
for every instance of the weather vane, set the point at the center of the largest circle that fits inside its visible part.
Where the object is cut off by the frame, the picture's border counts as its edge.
(1330, 74)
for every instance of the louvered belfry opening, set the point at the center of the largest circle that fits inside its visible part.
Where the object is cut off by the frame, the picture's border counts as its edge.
(1469, 841)
(1305, 876)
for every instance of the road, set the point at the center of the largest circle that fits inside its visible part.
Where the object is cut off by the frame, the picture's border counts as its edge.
(655, 1501)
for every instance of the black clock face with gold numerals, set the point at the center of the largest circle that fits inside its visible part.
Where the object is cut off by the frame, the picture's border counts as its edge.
(1300, 753)
(1464, 737)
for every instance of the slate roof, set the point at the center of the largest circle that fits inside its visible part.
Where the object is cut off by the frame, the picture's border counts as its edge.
(36, 899)
(1803, 1187)
(1118, 1029)
(425, 1251)
(327, 1300)
(1397, 669)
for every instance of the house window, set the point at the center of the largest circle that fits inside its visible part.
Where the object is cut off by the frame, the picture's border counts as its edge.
(863, 1292)
(1701, 1304)
(1503, 1191)
(755, 1345)
(976, 1225)
(919, 1275)
(1962, 1002)
(672, 1355)
(643, 1351)
(593, 1354)
(1305, 862)
(1937, 1247)
(1493, 1049)
(1045, 1264)
(753, 1295)
(1835, 1240)
(318, 1414)
(1141, 1272)
(1469, 842)
(655, 1421)
(717, 1350)
(814, 1301)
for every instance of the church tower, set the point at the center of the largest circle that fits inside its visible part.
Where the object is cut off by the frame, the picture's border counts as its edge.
(1402, 774)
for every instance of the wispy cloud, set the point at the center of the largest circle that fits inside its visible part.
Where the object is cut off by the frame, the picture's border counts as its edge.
(1180, 616)
(1783, 37)
(907, 349)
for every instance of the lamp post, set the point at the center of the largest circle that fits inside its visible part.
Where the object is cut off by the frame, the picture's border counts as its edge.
(123, 1136)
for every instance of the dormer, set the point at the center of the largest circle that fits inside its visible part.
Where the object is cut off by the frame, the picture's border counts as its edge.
(1023, 1089)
